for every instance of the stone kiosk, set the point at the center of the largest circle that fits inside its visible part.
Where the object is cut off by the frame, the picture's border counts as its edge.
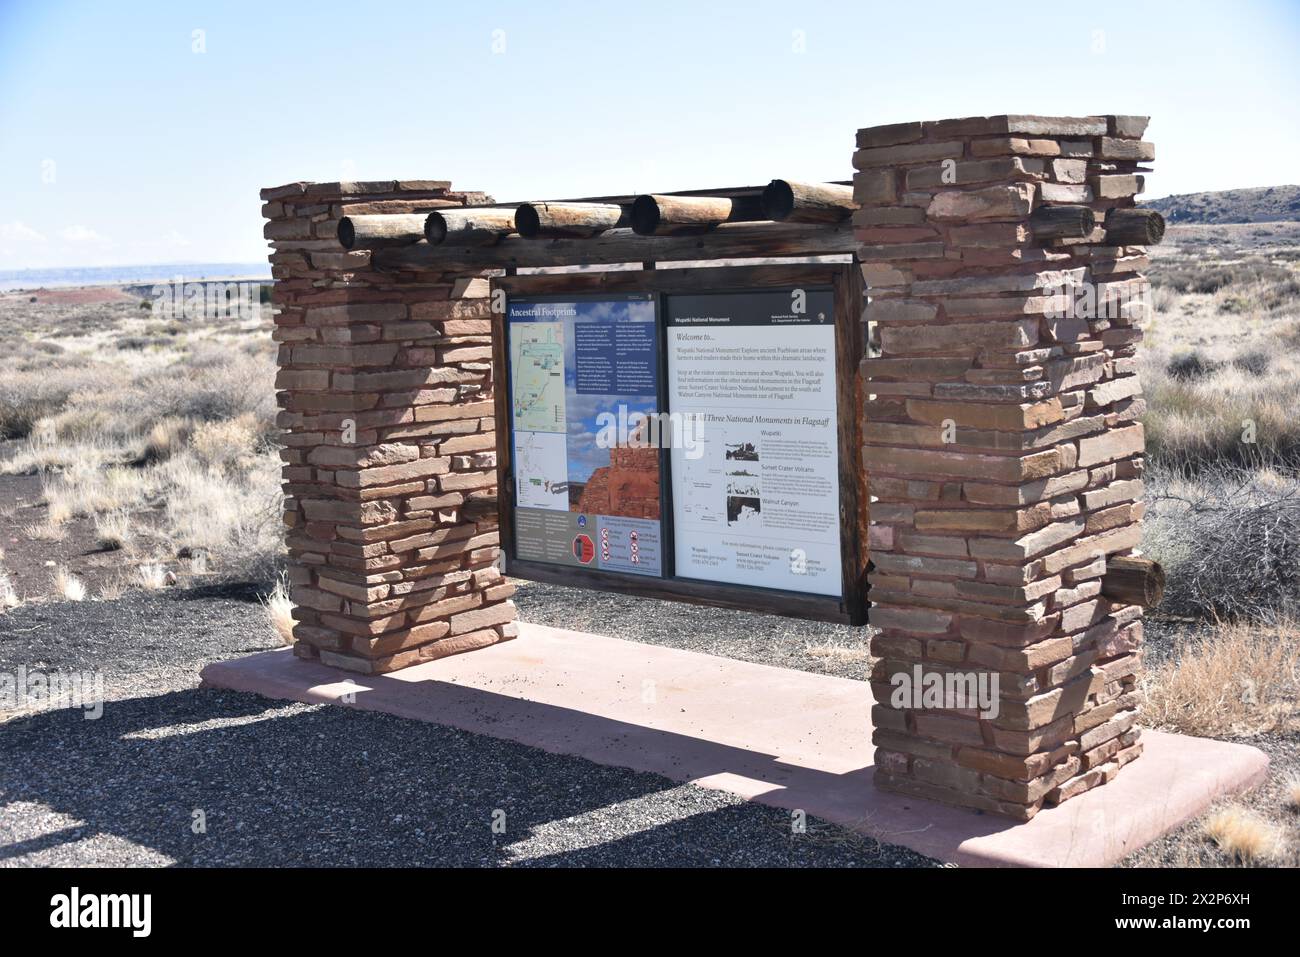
(998, 494)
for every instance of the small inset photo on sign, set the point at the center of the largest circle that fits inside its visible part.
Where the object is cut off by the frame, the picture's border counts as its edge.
(744, 510)
(744, 496)
(742, 481)
(742, 451)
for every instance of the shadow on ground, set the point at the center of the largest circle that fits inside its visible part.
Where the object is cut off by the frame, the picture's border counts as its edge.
(288, 785)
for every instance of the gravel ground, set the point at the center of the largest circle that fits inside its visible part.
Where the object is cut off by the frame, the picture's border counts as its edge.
(764, 639)
(288, 784)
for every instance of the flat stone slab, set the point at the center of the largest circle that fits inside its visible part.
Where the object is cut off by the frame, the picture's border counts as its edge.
(781, 737)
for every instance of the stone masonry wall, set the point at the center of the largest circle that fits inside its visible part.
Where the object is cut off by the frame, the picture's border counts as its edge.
(1003, 453)
(385, 391)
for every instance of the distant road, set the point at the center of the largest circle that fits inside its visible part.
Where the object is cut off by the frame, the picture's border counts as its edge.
(148, 275)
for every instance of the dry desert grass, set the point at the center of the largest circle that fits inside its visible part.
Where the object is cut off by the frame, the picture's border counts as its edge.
(279, 610)
(1221, 359)
(1239, 680)
(1221, 374)
(159, 435)
(1244, 836)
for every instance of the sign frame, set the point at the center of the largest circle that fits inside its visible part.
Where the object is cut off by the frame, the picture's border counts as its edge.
(844, 280)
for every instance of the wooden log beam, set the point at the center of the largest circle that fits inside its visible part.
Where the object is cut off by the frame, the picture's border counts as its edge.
(626, 199)
(667, 215)
(381, 231)
(480, 226)
(727, 241)
(1134, 227)
(1062, 222)
(548, 220)
(787, 201)
(1133, 581)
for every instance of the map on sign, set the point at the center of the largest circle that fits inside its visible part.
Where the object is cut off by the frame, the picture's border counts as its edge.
(543, 470)
(537, 359)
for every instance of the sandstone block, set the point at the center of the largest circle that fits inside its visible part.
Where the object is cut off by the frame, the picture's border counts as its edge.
(892, 135)
(1116, 444)
(1126, 149)
(999, 417)
(920, 620)
(992, 202)
(964, 338)
(903, 154)
(875, 187)
(1117, 186)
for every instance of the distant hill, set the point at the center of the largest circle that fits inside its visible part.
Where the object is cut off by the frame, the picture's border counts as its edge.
(1263, 204)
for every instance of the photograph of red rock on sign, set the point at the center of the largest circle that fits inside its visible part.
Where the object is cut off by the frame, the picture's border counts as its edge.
(627, 487)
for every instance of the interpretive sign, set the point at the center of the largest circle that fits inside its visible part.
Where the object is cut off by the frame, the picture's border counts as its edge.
(585, 494)
(685, 433)
(761, 506)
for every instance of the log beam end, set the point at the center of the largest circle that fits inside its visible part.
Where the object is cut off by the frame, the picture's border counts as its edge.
(1133, 581)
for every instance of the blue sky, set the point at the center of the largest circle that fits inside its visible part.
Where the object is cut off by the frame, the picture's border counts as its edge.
(121, 143)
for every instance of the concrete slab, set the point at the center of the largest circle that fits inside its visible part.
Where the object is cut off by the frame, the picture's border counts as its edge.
(782, 737)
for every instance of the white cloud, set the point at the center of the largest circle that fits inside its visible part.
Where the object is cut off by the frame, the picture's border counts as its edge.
(18, 231)
(81, 234)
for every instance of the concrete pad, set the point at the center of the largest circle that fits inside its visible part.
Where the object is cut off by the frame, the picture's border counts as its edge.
(781, 737)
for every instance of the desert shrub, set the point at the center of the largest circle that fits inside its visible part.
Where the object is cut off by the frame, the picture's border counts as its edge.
(279, 610)
(113, 530)
(219, 384)
(234, 518)
(31, 391)
(42, 453)
(1252, 362)
(1229, 541)
(228, 443)
(166, 436)
(1276, 295)
(1191, 365)
(90, 487)
(9, 597)
(160, 432)
(1164, 299)
(67, 585)
(164, 330)
(138, 343)
(45, 532)
(152, 576)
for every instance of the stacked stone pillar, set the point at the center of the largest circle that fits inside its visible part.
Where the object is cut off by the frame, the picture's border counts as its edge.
(1003, 453)
(386, 396)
